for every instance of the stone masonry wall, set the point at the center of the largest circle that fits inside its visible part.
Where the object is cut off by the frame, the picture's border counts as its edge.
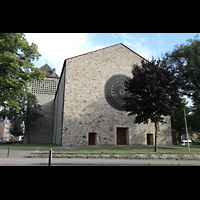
(58, 110)
(133, 155)
(85, 107)
(41, 131)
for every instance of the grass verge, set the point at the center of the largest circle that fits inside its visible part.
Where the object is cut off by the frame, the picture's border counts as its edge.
(135, 150)
(174, 149)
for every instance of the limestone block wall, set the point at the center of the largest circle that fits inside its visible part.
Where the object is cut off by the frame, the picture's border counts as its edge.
(164, 132)
(85, 107)
(41, 131)
(58, 109)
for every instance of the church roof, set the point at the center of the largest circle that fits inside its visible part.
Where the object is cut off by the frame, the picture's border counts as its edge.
(50, 73)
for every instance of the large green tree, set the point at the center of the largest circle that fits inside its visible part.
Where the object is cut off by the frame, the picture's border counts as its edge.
(29, 111)
(16, 127)
(178, 121)
(152, 93)
(17, 70)
(184, 61)
(194, 116)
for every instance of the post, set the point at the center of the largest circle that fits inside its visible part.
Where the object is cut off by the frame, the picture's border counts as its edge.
(50, 156)
(8, 151)
(156, 135)
(186, 131)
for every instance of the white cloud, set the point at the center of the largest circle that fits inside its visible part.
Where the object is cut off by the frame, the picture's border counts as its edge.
(137, 44)
(142, 46)
(158, 35)
(56, 47)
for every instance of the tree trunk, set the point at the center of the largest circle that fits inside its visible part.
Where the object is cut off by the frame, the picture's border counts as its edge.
(156, 135)
(27, 132)
(29, 137)
(29, 140)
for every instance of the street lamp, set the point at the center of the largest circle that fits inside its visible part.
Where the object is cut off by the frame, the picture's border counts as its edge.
(186, 130)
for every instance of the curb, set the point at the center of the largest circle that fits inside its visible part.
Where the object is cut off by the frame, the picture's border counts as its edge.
(134, 155)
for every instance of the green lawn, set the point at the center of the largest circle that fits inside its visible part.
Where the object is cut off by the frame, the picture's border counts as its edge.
(127, 149)
(174, 149)
(196, 150)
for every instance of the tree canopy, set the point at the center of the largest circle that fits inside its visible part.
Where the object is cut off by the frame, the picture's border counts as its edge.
(29, 110)
(152, 93)
(16, 68)
(184, 60)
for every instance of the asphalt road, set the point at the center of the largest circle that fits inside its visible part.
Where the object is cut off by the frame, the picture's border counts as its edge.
(94, 162)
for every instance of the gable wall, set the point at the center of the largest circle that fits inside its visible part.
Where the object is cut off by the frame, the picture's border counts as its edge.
(85, 107)
(58, 110)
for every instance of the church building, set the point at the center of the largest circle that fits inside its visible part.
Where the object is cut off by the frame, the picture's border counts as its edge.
(84, 105)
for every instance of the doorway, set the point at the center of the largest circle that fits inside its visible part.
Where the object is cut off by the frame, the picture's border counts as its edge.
(122, 136)
(92, 138)
(149, 139)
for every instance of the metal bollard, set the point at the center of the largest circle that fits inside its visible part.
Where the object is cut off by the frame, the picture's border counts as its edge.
(50, 156)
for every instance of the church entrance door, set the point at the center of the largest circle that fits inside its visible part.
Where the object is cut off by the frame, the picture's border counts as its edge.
(92, 138)
(122, 136)
(149, 139)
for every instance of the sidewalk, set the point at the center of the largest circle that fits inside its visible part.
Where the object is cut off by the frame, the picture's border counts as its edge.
(15, 153)
(94, 162)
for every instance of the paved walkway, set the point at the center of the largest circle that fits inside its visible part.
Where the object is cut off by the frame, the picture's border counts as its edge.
(15, 153)
(94, 162)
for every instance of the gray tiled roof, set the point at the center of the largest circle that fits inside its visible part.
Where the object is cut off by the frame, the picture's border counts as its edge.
(48, 71)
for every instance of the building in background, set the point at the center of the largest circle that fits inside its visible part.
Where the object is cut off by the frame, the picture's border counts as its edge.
(5, 126)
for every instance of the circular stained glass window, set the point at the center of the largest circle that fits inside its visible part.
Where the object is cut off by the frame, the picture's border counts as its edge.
(114, 91)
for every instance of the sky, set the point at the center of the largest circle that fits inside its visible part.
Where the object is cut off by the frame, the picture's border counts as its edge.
(56, 47)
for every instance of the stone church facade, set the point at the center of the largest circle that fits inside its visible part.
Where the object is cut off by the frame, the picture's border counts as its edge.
(86, 108)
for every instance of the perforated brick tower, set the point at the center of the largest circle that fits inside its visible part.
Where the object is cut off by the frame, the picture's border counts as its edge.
(41, 131)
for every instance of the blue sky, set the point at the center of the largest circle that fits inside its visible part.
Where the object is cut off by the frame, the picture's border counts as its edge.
(56, 47)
